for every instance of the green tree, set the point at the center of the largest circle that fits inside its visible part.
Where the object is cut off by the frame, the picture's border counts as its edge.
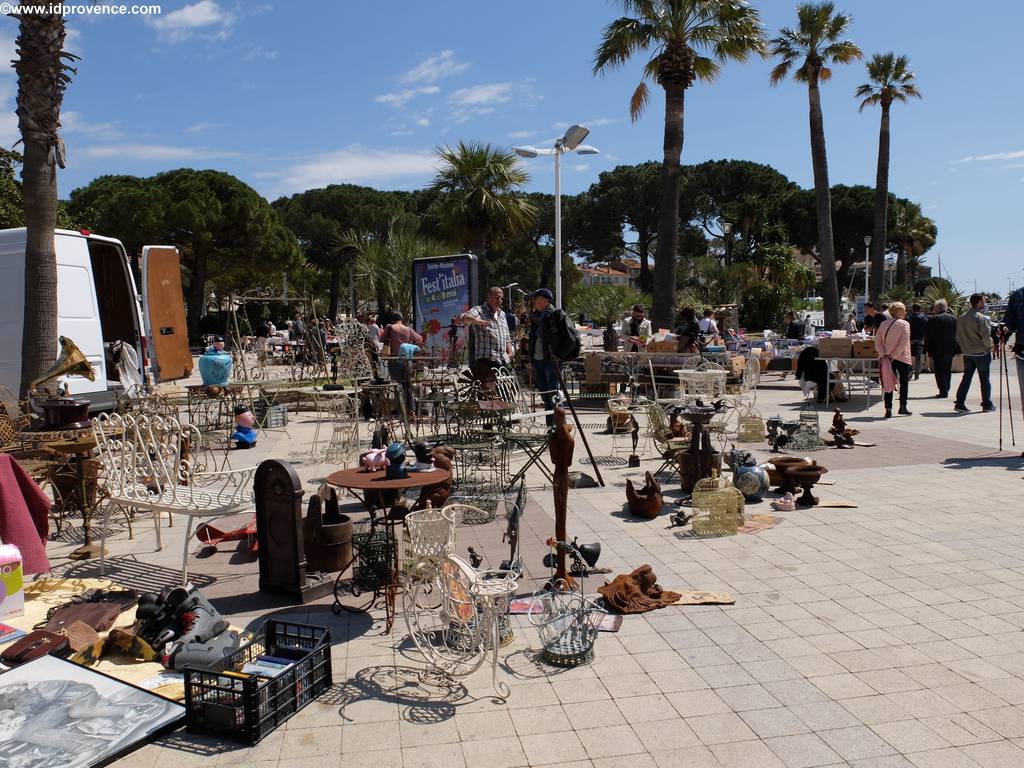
(807, 51)
(478, 201)
(890, 79)
(12, 205)
(687, 40)
(606, 305)
(43, 75)
(913, 234)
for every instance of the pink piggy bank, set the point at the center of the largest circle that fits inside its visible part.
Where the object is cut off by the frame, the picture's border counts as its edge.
(375, 459)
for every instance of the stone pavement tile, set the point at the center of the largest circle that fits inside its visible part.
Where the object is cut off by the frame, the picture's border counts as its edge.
(792, 647)
(856, 742)
(659, 735)
(504, 752)
(950, 757)
(686, 638)
(383, 758)
(861, 661)
(778, 721)
(638, 709)
(792, 692)
(626, 761)
(961, 729)
(532, 694)
(753, 650)
(621, 686)
(933, 675)
(976, 670)
(924, 703)
(889, 761)
(824, 715)
(144, 757)
(969, 696)
(842, 686)
(911, 736)
(547, 748)
(419, 734)
(607, 666)
(1008, 722)
(1010, 689)
(719, 729)
(704, 656)
(888, 681)
(690, 757)
(592, 714)
(484, 725)
(771, 671)
(366, 737)
(816, 665)
(770, 630)
(547, 719)
(744, 754)
(996, 754)
(872, 710)
(369, 710)
(803, 751)
(659, 661)
(725, 675)
(610, 741)
(699, 702)
(434, 756)
(743, 697)
(645, 643)
(569, 691)
(669, 681)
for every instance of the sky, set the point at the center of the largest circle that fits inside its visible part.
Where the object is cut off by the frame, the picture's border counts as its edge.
(299, 94)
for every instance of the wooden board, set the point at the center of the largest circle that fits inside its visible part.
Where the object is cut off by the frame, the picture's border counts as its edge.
(165, 307)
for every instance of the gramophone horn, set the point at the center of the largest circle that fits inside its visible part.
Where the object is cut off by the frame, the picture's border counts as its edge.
(70, 362)
(591, 553)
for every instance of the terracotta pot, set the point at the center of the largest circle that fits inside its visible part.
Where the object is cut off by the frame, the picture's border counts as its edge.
(777, 475)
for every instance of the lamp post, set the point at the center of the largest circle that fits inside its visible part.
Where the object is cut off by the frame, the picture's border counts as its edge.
(867, 265)
(572, 141)
(727, 231)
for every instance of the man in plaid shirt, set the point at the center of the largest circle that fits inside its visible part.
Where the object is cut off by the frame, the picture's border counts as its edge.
(491, 342)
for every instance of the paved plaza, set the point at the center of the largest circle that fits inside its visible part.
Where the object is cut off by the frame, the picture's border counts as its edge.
(885, 635)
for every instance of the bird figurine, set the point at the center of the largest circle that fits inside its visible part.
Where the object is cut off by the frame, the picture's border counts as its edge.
(785, 504)
(681, 519)
(646, 502)
(842, 436)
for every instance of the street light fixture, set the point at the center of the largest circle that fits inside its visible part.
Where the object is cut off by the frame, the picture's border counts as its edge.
(572, 141)
(867, 264)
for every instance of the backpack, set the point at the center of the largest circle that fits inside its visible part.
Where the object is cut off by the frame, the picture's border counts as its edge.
(564, 339)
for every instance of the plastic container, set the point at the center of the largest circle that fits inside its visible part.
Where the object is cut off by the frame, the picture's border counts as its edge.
(245, 709)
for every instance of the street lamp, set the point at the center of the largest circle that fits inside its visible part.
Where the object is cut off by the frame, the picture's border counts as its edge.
(572, 141)
(867, 264)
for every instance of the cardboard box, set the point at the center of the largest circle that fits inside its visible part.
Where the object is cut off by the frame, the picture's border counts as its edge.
(865, 349)
(841, 347)
(12, 582)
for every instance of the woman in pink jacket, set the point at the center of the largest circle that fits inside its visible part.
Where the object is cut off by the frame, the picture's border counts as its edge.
(892, 342)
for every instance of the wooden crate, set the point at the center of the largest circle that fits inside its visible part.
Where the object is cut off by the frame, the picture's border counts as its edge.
(841, 347)
(865, 349)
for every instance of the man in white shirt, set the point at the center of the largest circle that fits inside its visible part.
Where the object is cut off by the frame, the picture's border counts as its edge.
(636, 330)
(707, 324)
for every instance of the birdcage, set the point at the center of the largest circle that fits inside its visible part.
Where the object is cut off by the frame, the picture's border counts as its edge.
(717, 507)
(567, 623)
(431, 536)
(750, 427)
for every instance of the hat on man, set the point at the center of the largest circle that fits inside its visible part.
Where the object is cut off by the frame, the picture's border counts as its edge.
(543, 293)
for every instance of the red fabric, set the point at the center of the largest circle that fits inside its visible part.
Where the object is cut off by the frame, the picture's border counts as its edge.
(24, 515)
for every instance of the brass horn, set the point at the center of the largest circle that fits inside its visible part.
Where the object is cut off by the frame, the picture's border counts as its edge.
(70, 362)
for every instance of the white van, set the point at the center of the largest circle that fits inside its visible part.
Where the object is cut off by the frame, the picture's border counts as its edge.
(99, 305)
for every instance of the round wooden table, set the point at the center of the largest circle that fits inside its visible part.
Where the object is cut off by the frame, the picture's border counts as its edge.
(357, 479)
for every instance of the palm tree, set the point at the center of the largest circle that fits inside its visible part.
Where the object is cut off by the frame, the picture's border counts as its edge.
(890, 80)
(478, 203)
(685, 37)
(42, 78)
(914, 234)
(807, 51)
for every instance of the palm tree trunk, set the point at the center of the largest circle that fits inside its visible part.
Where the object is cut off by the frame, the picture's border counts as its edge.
(663, 311)
(40, 93)
(643, 245)
(823, 200)
(880, 235)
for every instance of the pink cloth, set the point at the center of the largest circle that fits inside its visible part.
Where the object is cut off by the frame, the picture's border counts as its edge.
(24, 515)
(892, 342)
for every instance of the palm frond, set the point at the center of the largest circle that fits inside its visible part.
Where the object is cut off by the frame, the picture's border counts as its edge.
(638, 101)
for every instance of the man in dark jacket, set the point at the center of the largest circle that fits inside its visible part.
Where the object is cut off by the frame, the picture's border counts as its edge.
(1013, 319)
(940, 343)
(918, 328)
(544, 363)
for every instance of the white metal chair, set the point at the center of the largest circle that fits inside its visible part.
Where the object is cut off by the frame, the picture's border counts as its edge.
(146, 465)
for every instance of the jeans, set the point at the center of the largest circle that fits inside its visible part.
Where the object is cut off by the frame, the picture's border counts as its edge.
(399, 371)
(917, 354)
(545, 381)
(942, 366)
(982, 364)
(902, 371)
(1020, 381)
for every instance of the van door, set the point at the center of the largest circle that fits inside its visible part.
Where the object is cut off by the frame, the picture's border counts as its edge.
(164, 309)
(78, 315)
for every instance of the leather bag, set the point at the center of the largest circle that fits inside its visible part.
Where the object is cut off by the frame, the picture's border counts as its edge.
(35, 645)
(99, 616)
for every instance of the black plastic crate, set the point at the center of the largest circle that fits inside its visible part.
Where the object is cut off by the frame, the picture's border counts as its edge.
(247, 709)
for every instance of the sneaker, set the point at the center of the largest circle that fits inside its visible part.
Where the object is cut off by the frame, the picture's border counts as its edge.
(904, 412)
(988, 408)
(961, 408)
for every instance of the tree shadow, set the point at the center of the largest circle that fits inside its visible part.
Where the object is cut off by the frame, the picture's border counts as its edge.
(1010, 463)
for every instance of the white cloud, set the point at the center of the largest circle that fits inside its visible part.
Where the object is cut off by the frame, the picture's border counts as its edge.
(423, 122)
(402, 132)
(1015, 165)
(1014, 155)
(200, 127)
(73, 122)
(399, 99)
(493, 93)
(254, 52)
(357, 164)
(154, 152)
(205, 18)
(73, 41)
(435, 68)
(596, 122)
(521, 134)
(581, 166)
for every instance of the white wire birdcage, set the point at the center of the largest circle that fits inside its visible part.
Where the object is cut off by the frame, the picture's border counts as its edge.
(431, 532)
(567, 623)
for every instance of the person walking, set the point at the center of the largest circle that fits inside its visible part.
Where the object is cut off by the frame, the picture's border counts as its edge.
(940, 345)
(892, 343)
(542, 341)
(399, 369)
(974, 335)
(1013, 320)
(918, 329)
(490, 341)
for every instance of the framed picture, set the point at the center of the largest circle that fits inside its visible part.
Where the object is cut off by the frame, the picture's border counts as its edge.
(53, 712)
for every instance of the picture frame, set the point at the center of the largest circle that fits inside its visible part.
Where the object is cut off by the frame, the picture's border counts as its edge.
(55, 712)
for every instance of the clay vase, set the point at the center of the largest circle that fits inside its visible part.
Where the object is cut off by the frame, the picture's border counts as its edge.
(778, 476)
(806, 478)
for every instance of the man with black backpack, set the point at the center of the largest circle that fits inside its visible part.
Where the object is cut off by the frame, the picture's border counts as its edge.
(553, 340)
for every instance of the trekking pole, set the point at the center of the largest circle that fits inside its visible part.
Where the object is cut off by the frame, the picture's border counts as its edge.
(1009, 396)
(999, 371)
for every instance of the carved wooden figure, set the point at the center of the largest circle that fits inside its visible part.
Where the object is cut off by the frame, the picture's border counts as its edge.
(561, 448)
